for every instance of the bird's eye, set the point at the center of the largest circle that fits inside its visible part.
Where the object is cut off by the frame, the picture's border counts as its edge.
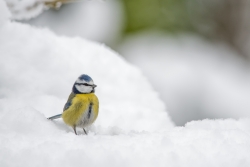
(85, 84)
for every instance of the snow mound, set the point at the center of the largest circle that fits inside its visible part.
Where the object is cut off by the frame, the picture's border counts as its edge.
(38, 69)
(200, 143)
(198, 79)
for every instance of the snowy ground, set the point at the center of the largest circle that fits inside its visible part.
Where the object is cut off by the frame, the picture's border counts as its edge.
(205, 143)
(37, 70)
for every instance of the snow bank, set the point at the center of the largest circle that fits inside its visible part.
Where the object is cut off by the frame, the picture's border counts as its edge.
(208, 143)
(38, 69)
(197, 79)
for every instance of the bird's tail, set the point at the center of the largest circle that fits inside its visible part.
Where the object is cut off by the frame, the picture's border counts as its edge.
(55, 117)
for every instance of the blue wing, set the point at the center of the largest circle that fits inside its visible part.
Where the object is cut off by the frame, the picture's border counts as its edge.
(69, 102)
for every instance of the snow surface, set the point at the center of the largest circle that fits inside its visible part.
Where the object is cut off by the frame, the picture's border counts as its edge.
(196, 78)
(35, 141)
(37, 71)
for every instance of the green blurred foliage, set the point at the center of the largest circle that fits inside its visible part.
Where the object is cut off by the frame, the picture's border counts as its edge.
(170, 15)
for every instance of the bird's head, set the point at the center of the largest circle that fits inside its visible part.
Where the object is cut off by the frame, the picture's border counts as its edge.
(84, 84)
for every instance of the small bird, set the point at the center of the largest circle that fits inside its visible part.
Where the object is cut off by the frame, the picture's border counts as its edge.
(81, 109)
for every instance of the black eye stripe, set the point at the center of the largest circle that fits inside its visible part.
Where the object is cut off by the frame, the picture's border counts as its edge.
(83, 84)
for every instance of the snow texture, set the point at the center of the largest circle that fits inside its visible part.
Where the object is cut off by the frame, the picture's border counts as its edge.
(38, 69)
(35, 141)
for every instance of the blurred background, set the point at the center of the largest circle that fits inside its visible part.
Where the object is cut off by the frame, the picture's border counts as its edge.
(195, 53)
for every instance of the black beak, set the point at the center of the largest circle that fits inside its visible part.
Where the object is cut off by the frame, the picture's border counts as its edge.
(94, 85)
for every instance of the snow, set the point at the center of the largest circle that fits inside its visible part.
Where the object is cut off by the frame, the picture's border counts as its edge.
(200, 143)
(40, 73)
(95, 20)
(37, 71)
(197, 79)
(25, 9)
(5, 14)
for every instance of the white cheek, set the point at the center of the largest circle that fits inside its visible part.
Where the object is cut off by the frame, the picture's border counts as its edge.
(84, 89)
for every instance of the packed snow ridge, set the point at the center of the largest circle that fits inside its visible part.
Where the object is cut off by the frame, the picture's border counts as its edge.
(38, 69)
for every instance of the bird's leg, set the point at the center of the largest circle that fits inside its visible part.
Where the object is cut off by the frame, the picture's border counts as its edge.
(84, 131)
(74, 127)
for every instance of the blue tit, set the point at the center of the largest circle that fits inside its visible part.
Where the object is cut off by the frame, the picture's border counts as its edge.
(81, 109)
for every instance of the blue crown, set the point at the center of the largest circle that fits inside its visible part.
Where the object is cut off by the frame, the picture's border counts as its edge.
(85, 78)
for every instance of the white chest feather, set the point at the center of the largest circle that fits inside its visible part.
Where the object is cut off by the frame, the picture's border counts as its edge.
(87, 117)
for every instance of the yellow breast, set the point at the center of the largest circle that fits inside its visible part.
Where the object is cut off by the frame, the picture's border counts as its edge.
(79, 108)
